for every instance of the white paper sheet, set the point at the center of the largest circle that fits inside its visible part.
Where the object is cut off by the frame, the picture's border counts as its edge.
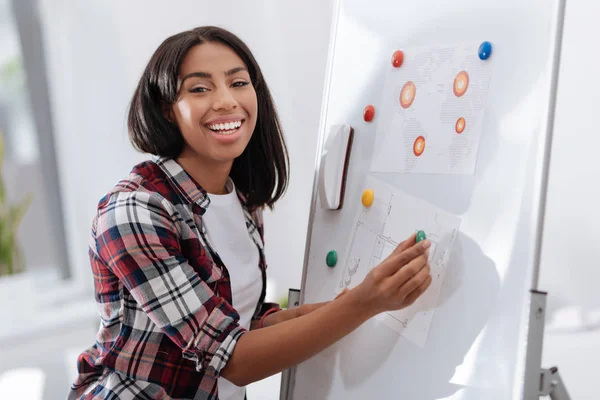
(378, 229)
(430, 116)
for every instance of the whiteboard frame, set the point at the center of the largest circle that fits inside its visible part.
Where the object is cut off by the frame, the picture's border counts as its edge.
(320, 142)
(532, 373)
(542, 190)
(537, 310)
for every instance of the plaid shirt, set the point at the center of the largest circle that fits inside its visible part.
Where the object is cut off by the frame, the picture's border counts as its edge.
(164, 296)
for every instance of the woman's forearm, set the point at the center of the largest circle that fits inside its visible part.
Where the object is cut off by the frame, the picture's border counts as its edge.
(264, 352)
(295, 312)
(291, 313)
(393, 285)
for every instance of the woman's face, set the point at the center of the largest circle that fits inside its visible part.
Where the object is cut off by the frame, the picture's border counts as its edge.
(216, 109)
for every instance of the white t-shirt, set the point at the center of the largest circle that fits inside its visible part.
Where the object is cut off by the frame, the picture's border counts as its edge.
(226, 230)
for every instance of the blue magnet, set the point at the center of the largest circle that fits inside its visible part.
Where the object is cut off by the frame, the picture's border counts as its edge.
(485, 50)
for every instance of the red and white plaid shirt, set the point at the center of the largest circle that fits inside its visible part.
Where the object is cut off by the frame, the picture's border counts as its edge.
(164, 296)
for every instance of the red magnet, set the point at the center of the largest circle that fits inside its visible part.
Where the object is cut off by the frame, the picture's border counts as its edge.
(369, 113)
(397, 58)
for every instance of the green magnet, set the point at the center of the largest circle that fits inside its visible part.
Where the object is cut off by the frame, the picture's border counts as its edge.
(331, 259)
(421, 236)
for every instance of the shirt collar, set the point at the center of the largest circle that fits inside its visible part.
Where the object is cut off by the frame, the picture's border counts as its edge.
(182, 182)
(185, 185)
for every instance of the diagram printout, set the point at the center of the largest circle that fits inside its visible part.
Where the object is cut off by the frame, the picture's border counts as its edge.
(376, 232)
(431, 112)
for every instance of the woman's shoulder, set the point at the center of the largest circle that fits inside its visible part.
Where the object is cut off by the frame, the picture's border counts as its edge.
(146, 180)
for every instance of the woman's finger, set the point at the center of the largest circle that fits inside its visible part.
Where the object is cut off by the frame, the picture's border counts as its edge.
(410, 270)
(412, 283)
(415, 294)
(398, 261)
(412, 239)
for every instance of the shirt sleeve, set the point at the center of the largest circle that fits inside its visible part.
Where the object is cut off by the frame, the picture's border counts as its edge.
(138, 240)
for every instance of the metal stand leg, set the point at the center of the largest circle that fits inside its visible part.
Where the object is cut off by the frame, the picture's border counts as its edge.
(553, 386)
(538, 381)
(287, 376)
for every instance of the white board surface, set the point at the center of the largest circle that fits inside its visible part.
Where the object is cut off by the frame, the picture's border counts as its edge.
(492, 182)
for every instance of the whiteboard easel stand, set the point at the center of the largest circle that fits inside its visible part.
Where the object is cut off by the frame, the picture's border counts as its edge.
(553, 385)
(539, 381)
(545, 382)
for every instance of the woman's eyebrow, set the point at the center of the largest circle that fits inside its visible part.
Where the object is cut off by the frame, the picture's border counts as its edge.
(208, 75)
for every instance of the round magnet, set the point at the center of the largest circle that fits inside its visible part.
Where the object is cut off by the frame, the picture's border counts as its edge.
(460, 125)
(485, 50)
(419, 146)
(369, 113)
(367, 197)
(331, 258)
(407, 94)
(461, 83)
(397, 58)
(421, 236)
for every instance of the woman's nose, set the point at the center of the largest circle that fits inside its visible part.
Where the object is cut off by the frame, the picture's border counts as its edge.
(224, 100)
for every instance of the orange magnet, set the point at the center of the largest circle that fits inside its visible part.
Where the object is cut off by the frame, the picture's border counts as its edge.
(460, 125)
(367, 197)
(419, 146)
(407, 94)
(461, 83)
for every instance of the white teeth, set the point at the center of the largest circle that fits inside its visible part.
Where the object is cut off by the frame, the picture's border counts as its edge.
(227, 126)
(226, 132)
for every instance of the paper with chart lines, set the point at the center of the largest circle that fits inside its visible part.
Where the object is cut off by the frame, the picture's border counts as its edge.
(431, 111)
(376, 232)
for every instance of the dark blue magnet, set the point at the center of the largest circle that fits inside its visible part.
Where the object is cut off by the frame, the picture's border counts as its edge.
(485, 50)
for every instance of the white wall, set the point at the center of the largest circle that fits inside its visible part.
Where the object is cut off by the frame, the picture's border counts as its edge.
(96, 55)
(570, 271)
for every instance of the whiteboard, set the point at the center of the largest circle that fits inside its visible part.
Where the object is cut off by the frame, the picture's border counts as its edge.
(476, 340)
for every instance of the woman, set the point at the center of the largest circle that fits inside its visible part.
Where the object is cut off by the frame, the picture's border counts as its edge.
(177, 247)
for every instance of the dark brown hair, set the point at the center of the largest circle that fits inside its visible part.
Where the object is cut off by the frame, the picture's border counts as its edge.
(261, 171)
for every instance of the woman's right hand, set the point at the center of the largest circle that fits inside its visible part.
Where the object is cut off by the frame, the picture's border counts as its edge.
(398, 280)
(394, 284)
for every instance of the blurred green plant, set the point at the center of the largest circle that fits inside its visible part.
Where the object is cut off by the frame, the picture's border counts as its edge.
(283, 302)
(11, 257)
(12, 75)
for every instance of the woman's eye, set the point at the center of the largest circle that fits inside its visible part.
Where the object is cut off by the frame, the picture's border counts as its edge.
(240, 83)
(198, 90)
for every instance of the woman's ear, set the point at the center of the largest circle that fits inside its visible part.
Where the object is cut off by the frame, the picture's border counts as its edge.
(167, 111)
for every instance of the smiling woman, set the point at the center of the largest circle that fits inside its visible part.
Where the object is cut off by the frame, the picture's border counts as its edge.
(177, 247)
(208, 76)
(216, 112)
